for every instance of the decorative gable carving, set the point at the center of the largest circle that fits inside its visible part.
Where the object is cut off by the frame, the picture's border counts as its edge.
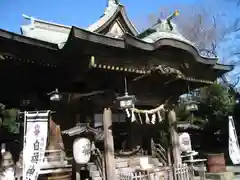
(115, 30)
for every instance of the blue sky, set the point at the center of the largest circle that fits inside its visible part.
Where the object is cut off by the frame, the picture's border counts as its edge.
(72, 12)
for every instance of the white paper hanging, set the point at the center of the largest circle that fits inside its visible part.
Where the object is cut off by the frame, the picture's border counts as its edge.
(133, 118)
(153, 119)
(36, 132)
(140, 118)
(128, 113)
(159, 116)
(147, 118)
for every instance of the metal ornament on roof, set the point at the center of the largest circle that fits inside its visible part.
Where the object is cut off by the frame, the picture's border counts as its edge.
(164, 28)
(110, 2)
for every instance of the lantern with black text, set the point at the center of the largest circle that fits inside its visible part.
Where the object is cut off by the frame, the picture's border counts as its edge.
(82, 150)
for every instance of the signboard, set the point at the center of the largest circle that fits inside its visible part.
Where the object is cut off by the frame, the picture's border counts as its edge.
(35, 140)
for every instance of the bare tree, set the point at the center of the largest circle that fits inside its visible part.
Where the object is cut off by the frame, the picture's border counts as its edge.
(206, 28)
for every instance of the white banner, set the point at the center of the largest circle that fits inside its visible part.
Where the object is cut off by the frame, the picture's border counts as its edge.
(36, 133)
(233, 145)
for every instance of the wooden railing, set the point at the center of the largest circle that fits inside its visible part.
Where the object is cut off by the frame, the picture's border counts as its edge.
(158, 174)
(159, 152)
(99, 161)
(181, 172)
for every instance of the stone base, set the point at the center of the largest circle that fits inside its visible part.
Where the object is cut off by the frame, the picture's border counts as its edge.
(220, 176)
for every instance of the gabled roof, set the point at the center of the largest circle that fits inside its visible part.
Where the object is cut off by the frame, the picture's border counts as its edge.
(128, 42)
(112, 12)
(95, 43)
(114, 15)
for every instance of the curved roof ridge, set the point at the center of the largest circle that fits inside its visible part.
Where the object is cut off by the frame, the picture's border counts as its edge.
(33, 20)
(109, 12)
(127, 20)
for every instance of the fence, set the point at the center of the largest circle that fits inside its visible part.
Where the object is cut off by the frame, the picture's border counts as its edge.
(180, 172)
(158, 174)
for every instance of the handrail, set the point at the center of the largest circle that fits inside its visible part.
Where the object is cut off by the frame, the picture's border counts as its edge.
(159, 152)
(100, 162)
(160, 147)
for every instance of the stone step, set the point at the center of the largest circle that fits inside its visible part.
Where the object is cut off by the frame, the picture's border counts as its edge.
(94, 174)
(96, 178)
(155, 161)
(121, 165)
(92, 167)
(126, 169)
(122, 159)
(90, 163)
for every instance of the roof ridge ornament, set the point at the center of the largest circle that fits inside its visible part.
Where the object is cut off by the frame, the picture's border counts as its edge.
(162, 25)
(32, 19)
(111, 4)
(166, 24)
(176, 13)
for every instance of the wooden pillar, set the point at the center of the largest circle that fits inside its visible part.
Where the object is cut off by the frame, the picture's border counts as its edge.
(108, 144)
(174, 137)
(77, 168)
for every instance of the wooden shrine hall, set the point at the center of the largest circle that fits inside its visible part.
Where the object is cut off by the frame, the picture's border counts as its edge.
(92, 67)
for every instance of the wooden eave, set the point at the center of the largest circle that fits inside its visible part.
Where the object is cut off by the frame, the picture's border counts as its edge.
(151, 90)
(26, 40)
(29, 50)
(87, 40)
(139, 72)
(82, 42)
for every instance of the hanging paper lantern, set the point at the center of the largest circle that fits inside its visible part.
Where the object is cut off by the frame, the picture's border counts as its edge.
(82, 150)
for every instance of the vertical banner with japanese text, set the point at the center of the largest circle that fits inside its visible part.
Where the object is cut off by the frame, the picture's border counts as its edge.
(35, 140)
(233, 144)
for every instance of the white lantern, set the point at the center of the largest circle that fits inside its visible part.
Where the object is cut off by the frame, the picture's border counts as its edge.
(82, 150)
(185, 142)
